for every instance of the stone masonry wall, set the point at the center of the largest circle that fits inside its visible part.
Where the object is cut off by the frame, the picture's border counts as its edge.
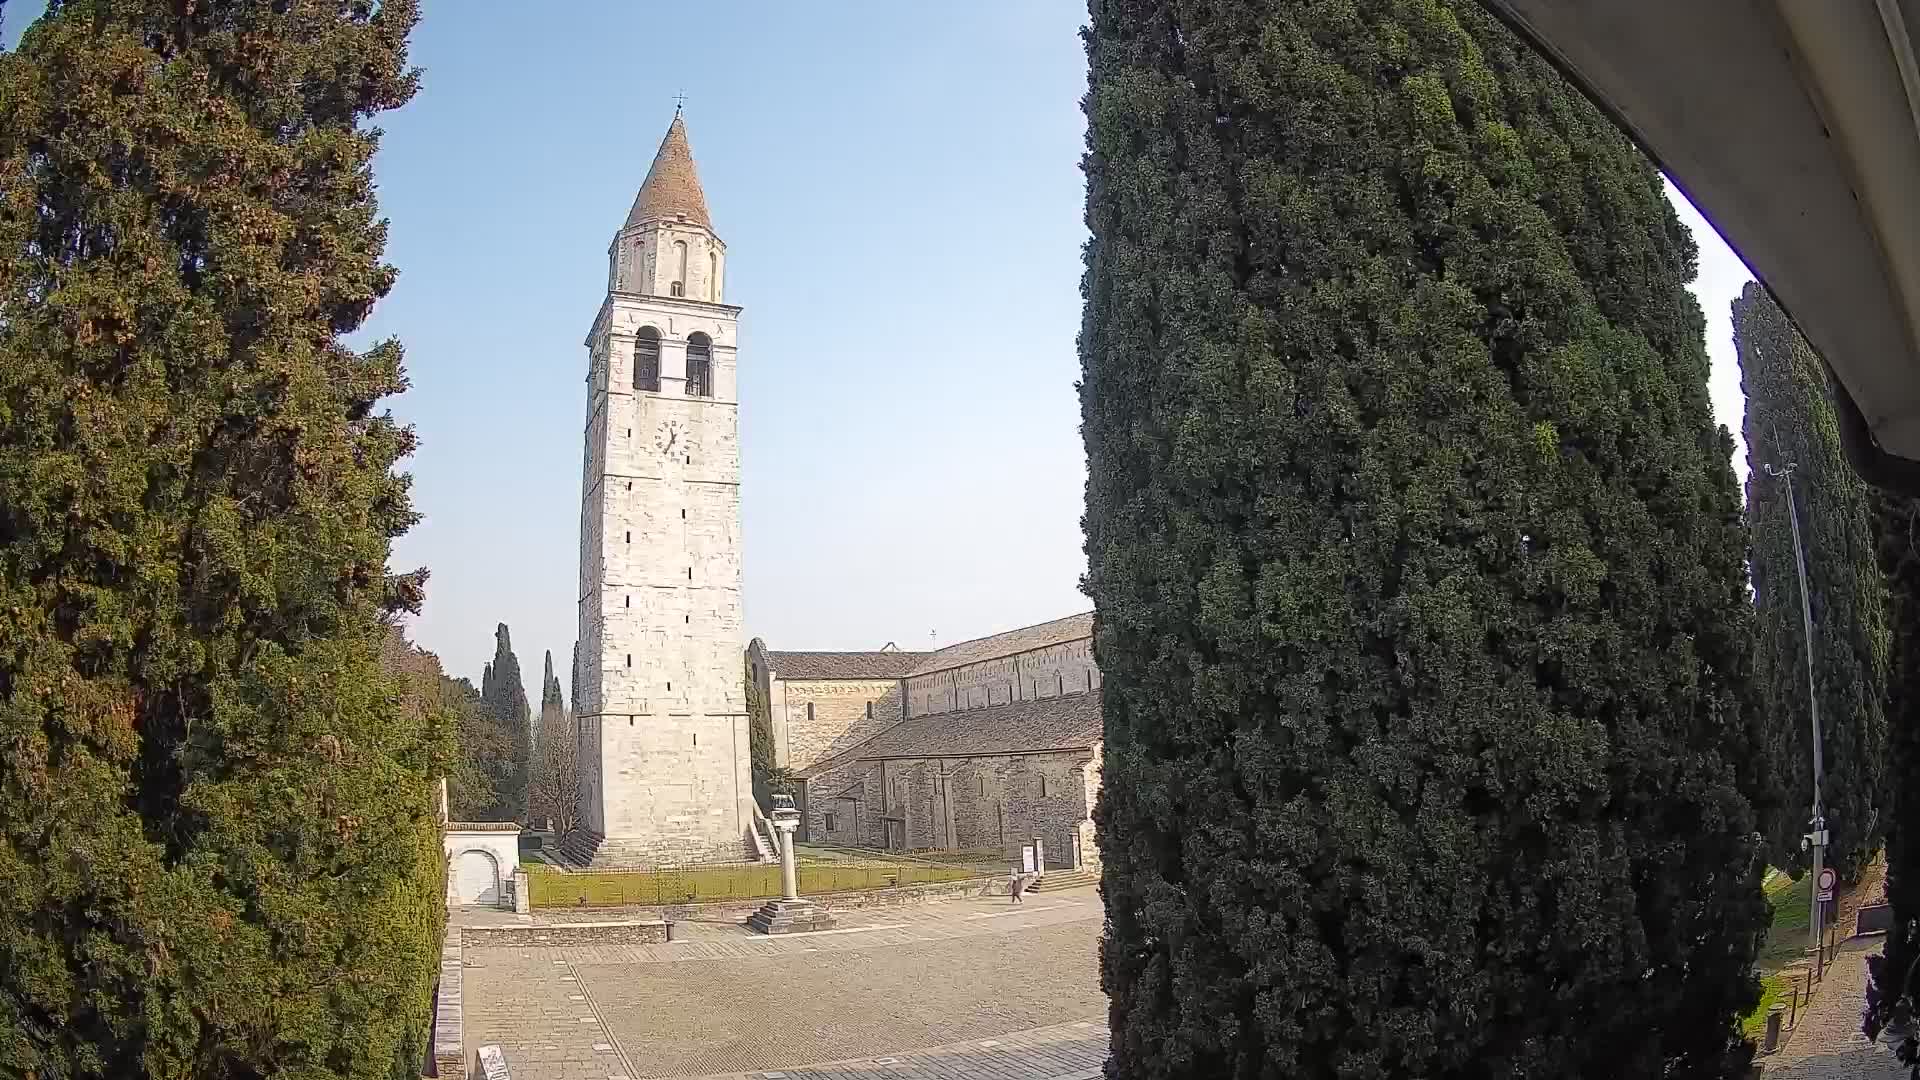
(967, 803)
(852, 827)
(1040, 673)
(824, 718)
(661, 631)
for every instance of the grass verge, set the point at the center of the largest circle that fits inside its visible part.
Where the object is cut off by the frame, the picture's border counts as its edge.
(549, 887)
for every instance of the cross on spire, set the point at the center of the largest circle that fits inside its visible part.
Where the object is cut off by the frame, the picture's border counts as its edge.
(679, 102)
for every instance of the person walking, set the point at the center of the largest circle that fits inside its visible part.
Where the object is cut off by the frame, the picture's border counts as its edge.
(1016, 883)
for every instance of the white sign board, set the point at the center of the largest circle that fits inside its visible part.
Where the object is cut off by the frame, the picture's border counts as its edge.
(1026, 858)
(1827, 881)
(493, 1064)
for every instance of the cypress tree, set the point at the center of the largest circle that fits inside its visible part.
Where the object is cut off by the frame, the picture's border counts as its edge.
(1893, 987)
(506, 698)
(219, 855)
(550, 696)
(1790, 421)
(1418, 564)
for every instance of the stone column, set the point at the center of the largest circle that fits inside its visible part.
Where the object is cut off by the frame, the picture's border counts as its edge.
(785, 823)
(789, 914)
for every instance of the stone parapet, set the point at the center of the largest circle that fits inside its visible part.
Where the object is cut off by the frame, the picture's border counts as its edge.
(449, 1036)
(548, 934)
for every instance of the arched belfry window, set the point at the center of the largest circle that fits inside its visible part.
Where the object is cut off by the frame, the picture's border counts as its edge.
(646, 360)
(713, 276)
(699, 366)
(679, 268)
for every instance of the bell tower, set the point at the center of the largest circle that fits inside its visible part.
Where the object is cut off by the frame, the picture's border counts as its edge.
(662, 711)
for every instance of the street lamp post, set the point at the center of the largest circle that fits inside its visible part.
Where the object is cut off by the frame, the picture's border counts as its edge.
(1816, 840)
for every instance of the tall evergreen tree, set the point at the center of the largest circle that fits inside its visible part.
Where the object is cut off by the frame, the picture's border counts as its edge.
(219, 854)
(550, 695)
(1894, 993)
(484, 754)
(1790, 421)
(554, 782)
(1418, 563)
(503, 694)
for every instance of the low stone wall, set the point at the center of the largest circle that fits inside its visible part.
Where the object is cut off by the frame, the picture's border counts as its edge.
(600, 932)
(449, 1039)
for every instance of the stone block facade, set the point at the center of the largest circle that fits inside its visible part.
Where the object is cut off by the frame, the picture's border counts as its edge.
(996, 802)
(817, 719)
(1050, 670)
(982, 745)
(661, 709)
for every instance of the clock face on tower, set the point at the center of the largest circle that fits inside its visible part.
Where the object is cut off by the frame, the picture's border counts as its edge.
(670, 438)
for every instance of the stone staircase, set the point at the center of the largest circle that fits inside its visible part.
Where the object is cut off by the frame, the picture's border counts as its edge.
(578, 850)
(761, 846)
(1059, 880)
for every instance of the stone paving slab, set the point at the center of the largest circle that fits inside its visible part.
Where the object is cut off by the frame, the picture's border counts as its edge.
(1827, 1043)
(729, 1003)
(1062, 1052)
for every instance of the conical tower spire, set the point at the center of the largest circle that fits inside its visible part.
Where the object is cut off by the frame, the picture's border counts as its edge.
(672, 188)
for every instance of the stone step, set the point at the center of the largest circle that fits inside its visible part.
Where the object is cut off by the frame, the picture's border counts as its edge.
(1056, 880)
(790, 917)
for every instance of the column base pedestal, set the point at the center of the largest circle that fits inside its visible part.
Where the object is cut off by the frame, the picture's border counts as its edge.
(790, 917)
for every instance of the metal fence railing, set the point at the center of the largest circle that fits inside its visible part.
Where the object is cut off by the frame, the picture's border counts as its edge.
(743, 881)
(985, 860)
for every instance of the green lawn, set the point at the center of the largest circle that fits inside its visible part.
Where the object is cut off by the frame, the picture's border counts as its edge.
(1786, 942)
(550, 887)
(1792, 905)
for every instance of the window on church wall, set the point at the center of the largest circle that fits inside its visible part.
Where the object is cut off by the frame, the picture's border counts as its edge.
(713, 277)
(680, 268)
(646, 360)
(699, 366)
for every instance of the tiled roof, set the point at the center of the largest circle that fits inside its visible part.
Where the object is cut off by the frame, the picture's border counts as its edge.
(843, 665)
(1070, 722)
(1025, 639)
(672, 188)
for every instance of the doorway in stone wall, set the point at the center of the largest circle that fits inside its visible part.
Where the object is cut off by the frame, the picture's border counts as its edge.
(1062, 848)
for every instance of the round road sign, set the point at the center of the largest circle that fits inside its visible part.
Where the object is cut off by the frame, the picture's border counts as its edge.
(1827, 879)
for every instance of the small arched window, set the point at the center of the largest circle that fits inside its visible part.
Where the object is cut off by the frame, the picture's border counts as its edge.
(679, 268)
(646, 360)
(713, 276)
(699, 366)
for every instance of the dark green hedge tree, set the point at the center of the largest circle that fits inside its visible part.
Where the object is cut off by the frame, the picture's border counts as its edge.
(1894, 992)
(1418, 563)
(504, 696)
(1790, 420)
(218, 850)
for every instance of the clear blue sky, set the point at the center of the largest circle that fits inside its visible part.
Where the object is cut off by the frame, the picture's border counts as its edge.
(898, 185)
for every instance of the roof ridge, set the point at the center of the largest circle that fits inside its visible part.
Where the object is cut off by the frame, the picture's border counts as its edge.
(1014, 630)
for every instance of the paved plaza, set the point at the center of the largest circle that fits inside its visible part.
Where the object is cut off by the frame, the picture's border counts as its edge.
(966, 988)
